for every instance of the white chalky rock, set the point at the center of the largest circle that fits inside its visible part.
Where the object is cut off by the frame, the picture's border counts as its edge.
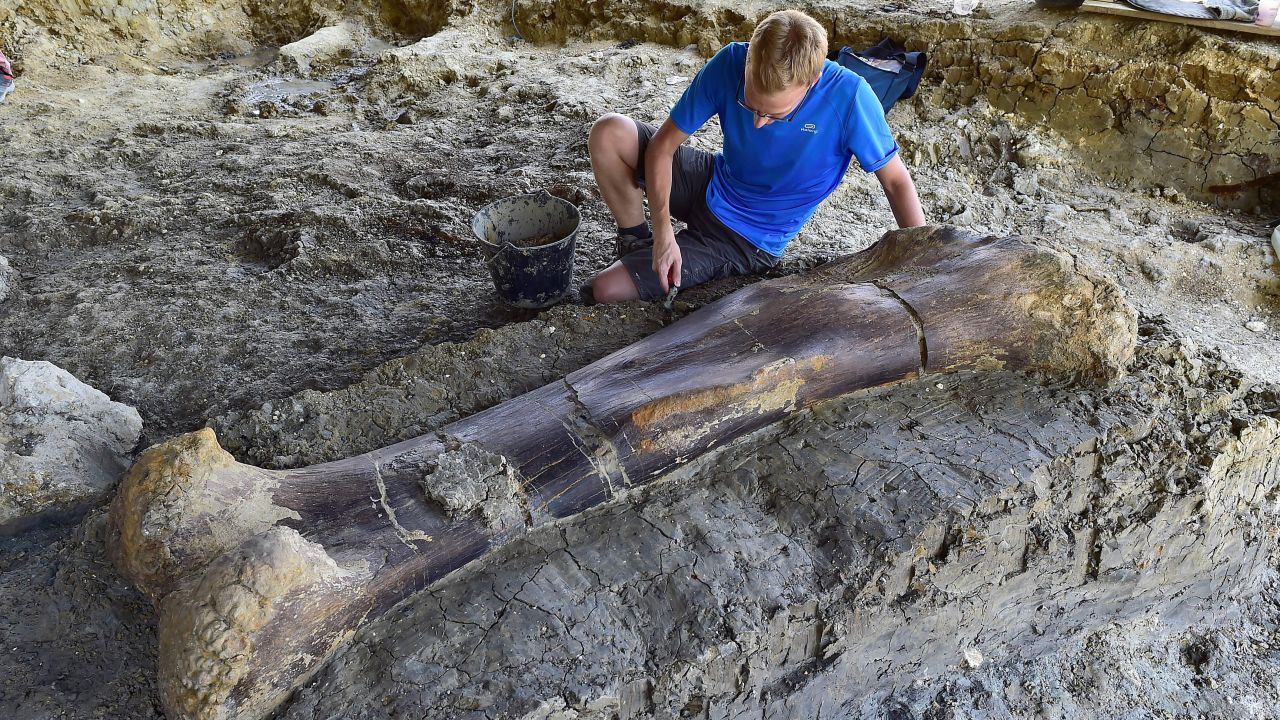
(62, 443)
(8, 277)
(320, 48)
(1256, 326)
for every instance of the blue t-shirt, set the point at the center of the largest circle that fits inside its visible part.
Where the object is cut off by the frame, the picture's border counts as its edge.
(768, 181)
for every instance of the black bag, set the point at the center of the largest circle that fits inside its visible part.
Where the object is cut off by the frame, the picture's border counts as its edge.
(891, 71)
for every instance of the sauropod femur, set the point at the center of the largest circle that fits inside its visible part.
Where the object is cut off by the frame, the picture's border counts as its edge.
(260, 575)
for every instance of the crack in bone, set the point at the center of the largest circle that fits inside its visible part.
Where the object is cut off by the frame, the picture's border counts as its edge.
(406, 535)
(921, 337)
(605, 458)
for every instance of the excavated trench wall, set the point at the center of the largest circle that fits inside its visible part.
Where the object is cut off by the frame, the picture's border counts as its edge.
(1154, 104)
(1163, 105)
(42, 33)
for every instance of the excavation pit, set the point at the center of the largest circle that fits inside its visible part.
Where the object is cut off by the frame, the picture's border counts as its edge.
(306, 281)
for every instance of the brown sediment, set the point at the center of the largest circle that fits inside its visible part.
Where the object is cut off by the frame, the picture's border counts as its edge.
(536, 241)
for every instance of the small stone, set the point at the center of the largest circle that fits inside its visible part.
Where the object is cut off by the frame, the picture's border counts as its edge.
(506, 112)
(972, 658)
(940, 386)
(1153, 271)
(1256, 326)
(1026, 184)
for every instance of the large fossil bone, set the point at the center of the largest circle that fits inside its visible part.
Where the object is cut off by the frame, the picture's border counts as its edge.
(260, 575)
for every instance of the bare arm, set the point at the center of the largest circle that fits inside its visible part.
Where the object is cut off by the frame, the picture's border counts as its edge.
(657, 179)
(901, 192)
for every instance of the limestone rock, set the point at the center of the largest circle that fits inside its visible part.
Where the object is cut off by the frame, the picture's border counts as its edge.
(429, 63)
(8, 278)
(323, 47)
(62, 443)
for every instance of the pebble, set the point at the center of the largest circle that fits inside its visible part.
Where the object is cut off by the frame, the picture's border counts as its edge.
(973, 658)
(1256, 326)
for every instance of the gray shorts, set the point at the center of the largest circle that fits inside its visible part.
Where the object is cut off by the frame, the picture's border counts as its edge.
(708, 249)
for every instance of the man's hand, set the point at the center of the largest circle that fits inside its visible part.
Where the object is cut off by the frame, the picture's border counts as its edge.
(657, 172)
(666, 256)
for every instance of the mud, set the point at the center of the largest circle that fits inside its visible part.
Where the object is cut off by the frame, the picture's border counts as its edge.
(217, 237)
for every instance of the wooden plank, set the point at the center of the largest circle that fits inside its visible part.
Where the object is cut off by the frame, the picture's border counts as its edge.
(1115, 8)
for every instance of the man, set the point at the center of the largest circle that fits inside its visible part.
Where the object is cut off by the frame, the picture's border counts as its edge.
(792, 123)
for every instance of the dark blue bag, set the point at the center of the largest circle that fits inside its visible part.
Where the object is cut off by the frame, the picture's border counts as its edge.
(891, 71)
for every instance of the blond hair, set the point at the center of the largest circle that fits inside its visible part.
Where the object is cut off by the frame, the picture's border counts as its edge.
(787, 50)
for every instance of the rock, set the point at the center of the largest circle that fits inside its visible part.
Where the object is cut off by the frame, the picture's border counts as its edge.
(64, 443)
(972, 658)
(8, 278)
(1026, 184)
(1153, 271)
(323, 47)
(426, 65)
(1256, 326)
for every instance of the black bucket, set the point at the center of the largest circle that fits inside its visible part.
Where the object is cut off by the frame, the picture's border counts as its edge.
(529, 277)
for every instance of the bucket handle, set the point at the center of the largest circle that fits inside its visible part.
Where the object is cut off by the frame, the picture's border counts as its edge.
(491, 255)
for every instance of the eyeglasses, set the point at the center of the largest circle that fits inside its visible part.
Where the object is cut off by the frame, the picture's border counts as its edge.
(742, 102)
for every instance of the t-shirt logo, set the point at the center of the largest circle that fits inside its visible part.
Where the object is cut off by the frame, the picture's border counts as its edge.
(810, 128)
